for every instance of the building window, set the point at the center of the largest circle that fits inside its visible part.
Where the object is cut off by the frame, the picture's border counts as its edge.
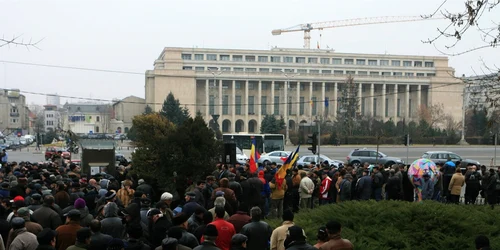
(97, 118)
(236, 58)
(325, 60)
(398, 108)
(276, 59)
(251, 69)
(251, 103)
(312, 60)
(327, 87)
(265, 86)
(225, 105)
(289, 70)
(186, 56)
(420, 74)
(398, 73)
(211, 57)
(225, 68)
(314, 71)
(248, 58)
(288, 59)
(263, 105)
(276, 105)
(97, 129)
(315, 87)
(251, 85)
(406, 63)
(326, 71)
(213, 68)
(237, 85)
(187, 68)
(386, 73)
(302, 71)
(263, 59)
(301, 107)
(336, 60)
(429, 64)
(360, 61)
(263, 70)
(300, 59)
(363, 102)
(225, 57)
(409, 74)
(431, 74)
(350, 72)
(302, 87)
(348, 61)
(211, 105)
(276, 70)
(237, 103)
(199, 57)
(396, 63)
(199, 68)
(384, 62)
(338, 72)
(238, 69)
(276, 86)
(372, 62)
(374, 107)
(314, 105)
(417, 63)
(386, 107)
(362, 73)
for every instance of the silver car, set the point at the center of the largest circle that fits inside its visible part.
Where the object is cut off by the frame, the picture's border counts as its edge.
(305, 160)
(275, 156)
(360, 156)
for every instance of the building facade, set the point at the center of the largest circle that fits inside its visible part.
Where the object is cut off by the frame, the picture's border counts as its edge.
(85, 118)
(242, 86)
(53, 99)
(124, 111)
(52, 118)
(14, 113)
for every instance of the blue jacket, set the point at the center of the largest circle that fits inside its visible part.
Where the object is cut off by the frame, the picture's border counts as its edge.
(364, 187)
(5, 158)
(427, 189)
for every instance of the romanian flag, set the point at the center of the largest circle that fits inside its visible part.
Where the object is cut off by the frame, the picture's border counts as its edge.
(292, 158)
(254, 157)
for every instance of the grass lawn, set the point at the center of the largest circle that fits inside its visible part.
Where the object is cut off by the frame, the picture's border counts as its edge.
(403, 225)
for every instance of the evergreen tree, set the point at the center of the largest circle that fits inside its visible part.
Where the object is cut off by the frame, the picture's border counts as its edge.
(271, 125)
(347, 116)
(173, 111)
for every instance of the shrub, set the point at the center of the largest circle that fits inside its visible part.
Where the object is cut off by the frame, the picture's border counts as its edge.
(403, 225)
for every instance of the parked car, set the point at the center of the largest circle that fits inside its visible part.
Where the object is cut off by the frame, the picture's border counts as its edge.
(240, 156)
(360, 156)
(440, 157)
(307, 159)
(50, 151)
(119, 157)
(275, 156)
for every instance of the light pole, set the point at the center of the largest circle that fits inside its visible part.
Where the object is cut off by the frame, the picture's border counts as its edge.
(216, 114)
(464, 110)
(287, 134)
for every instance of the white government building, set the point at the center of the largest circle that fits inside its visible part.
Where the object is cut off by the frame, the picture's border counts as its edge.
(242, 86)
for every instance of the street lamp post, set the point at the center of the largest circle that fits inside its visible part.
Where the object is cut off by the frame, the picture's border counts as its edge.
(464, 109)
(287, 133)
(216, 114)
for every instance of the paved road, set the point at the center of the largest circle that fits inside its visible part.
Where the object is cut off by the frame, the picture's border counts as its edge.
(37, 156)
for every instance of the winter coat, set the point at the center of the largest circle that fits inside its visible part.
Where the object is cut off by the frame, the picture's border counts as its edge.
(158, 231)
(207, 246)
(393, 188)
(345, 190)
(23, 241)
(112, 224)
(456, 184)
(278, 193)
(134, 244)
(99, 241)
(427, 189)
(78, 246)
(364, 187)
(258, 233)
(188, 239)
(306, 188)
(62, 198)
(239, 219)
(66, 235)
(324, 189)
(145, 189)
(300, 245)
(278, 236)
(85, 217)
(47, 217)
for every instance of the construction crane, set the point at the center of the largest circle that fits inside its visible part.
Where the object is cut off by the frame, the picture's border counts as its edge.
(345, 23)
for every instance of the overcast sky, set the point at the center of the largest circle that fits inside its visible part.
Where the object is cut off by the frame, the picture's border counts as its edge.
(130, 35)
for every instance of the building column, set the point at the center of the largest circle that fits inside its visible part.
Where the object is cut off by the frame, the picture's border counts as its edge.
(419, 96)
(372, 106)
(207, 100)
(245, 106)
(298, 102)
(395, 103)
(220, 98)
(310, 98)
(383, 101)
(233, 107)
(323, 108)
(272, 98)
(407, 104)
(360, 97)
(259, 101)
(335, 102)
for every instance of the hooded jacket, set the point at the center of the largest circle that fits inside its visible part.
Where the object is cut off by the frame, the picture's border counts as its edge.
(112, 224)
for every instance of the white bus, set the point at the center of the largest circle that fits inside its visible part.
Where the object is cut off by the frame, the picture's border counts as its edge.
(265, 143)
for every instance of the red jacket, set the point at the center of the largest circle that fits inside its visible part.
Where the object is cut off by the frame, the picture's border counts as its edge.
(325, 188)
(225, 231)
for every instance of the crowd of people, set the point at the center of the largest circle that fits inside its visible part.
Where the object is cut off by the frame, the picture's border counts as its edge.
(52, 206)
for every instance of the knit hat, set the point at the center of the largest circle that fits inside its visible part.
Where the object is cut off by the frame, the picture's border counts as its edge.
(80, 203)
(109, 195)
(211, 230)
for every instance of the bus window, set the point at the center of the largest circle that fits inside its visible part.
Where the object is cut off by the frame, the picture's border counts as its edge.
(274, 143)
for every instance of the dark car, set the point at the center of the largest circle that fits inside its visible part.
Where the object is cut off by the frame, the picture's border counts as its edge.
(440, 157)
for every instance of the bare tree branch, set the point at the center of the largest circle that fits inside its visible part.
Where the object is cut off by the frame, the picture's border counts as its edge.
(19, 41)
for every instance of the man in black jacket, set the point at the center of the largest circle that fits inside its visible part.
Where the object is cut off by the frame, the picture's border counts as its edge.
(472, 185)
(257, 231)
(98, 240)
(158, 227)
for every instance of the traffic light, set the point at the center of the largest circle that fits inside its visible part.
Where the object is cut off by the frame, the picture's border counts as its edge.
(492, 139)
(314, 142)
(405, 140)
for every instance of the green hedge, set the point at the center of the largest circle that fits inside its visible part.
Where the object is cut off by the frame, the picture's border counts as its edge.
(403, 225)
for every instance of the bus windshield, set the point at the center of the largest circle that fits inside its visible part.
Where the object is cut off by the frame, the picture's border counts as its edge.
(274, 143)
(244, 142)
